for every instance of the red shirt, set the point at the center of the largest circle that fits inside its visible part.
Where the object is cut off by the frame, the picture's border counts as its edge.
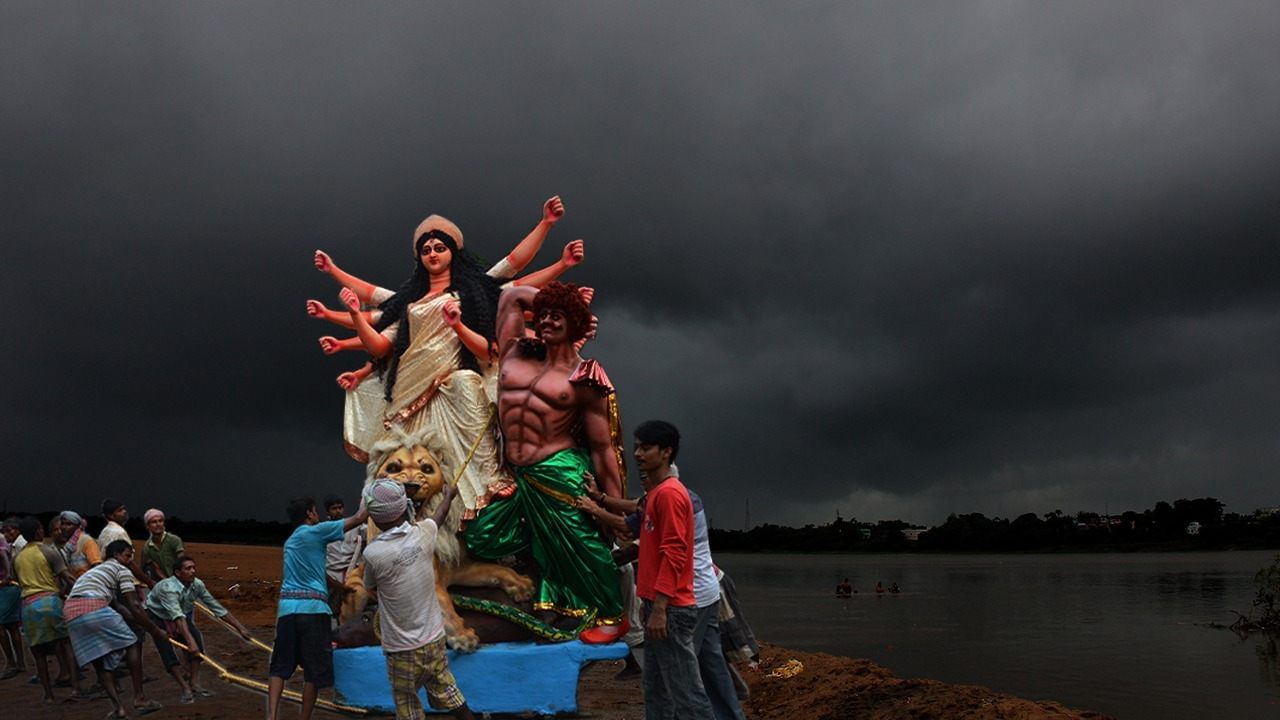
(666, 545)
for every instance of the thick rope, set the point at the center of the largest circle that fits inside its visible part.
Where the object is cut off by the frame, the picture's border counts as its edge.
(293, 695)
(256, 642)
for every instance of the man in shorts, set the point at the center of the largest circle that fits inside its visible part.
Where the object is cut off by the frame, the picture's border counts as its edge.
(399, 566)
(303, 617)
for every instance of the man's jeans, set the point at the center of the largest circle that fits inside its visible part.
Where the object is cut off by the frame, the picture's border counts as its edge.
(712, 665)
(672, 686)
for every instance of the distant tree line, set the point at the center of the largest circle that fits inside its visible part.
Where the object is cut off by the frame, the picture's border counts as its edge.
(246, 532)
(1198, 524)
(1163, 527)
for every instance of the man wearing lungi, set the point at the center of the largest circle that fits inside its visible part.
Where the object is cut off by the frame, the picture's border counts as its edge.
(39, 567)
(99, 634)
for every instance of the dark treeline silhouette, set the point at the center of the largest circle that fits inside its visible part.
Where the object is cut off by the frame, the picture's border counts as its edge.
(1198, 524)
(247, 532)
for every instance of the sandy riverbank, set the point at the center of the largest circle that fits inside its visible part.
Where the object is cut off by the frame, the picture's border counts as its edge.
(829, 687)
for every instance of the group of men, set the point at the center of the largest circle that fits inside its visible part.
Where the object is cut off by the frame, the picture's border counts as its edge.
(547, 394)
(685, 671)
(90, 603)
(567, 488)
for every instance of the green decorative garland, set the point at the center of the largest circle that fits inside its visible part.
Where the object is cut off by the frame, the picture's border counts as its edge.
(523, 619)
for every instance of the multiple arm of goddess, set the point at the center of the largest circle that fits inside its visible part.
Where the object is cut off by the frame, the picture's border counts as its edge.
(356, 292)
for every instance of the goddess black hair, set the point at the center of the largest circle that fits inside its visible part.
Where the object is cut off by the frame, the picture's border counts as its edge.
(477, 295)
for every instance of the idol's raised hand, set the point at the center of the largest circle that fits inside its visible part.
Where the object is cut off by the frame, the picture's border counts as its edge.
(552, 210)
(323, 262)
(349, 299)
(573, 253)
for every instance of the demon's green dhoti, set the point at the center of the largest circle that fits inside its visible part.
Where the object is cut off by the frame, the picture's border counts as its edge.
(578, 573)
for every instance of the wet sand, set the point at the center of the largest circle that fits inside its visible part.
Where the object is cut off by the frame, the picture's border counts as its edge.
(828, 687)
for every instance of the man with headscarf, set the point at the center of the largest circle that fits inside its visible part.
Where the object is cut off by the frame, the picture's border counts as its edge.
(399, 566)
(162, 549)
(78, 547)
(303, 614)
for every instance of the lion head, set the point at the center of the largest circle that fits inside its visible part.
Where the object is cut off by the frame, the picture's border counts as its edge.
(411, 462)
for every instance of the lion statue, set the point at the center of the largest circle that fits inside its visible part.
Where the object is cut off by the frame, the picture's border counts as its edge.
(412, 462)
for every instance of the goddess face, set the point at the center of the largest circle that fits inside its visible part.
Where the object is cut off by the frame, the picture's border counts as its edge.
(435, 256)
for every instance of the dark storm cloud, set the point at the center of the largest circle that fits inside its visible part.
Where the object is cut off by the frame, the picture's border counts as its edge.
(896, 259)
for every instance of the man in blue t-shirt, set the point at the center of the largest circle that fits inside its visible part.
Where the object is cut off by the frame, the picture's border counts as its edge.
(302, 620)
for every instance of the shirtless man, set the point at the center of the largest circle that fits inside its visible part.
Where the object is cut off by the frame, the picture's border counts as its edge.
(545, 391)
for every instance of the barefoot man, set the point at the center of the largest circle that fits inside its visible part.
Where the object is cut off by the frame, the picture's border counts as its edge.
(545, 391)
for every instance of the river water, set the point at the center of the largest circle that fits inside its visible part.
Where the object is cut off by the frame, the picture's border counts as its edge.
(1123, 634)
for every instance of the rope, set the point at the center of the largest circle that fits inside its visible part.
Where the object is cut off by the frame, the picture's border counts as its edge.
(255, 641)
(293, 695)
(475, 445)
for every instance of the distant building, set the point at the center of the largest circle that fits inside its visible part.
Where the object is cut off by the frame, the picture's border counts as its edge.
(912, 534)
(1266, 512)
(1193, 528)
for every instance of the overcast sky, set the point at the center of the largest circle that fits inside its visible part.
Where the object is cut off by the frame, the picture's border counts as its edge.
(895, 259)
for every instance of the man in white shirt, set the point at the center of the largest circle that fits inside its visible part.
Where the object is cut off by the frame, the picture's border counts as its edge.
(399, 567)
(716, 674)
(11, 533)
(116, 515)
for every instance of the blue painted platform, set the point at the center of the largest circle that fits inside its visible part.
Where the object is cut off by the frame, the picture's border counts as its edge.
(497, 678)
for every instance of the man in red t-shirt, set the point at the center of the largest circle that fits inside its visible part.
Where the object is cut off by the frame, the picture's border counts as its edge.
(664, 581)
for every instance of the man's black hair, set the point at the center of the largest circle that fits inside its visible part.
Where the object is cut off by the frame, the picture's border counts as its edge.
(184, 558)
(298, 509)
(118, 546)
(111, 505)
(29, 527)
(660, 433)
(331, 500)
